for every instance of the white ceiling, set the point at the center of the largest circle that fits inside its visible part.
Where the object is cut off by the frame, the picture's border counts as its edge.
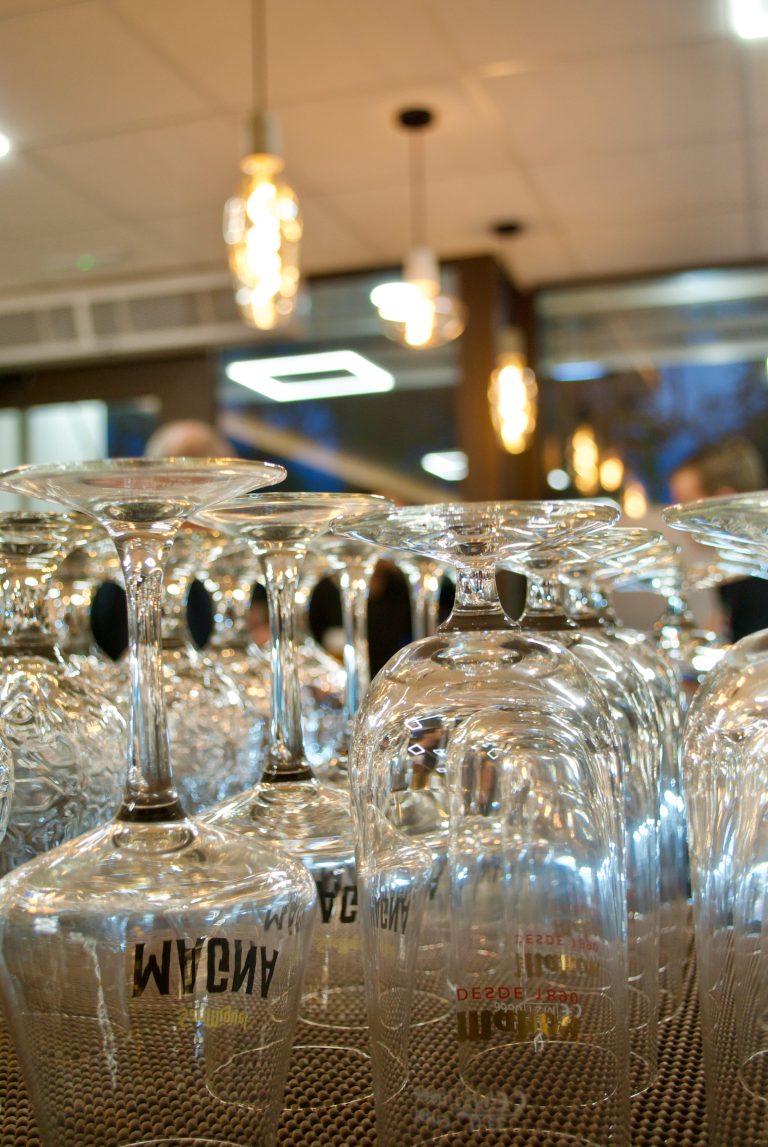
(626, 134)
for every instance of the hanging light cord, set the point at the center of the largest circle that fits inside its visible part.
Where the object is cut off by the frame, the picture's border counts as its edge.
(259, 54)
(418, 188)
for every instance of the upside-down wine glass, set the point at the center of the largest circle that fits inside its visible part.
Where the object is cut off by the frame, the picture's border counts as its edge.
(424, 577)
(150, 969)
(633, 713)
(725, 749)
(354, 563)
(593, 580)
(330, 1067)
(66, 736)
(216, 734)
(485, 774)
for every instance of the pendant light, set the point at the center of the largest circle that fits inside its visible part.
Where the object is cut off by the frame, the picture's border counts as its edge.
(262, 221)
(414, 312)
(512, 389)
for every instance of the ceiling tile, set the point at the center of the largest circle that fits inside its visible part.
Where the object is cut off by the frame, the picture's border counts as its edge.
(74, 70)
(156, 169)
(494, 30)
(646, 183)
(682, 95)
(538, 256)
(342, 144)
(31, 198)
(314, 49)
(28, 258)
(666, 241)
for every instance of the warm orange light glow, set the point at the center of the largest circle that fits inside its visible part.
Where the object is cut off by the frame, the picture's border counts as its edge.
(513, 399)
(263, 228)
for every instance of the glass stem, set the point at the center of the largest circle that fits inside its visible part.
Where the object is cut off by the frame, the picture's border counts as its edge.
(174, 608)
(476, 605)
(149, 795)
(286, 760)
(544, 605)
(424, 591)
(354, 584)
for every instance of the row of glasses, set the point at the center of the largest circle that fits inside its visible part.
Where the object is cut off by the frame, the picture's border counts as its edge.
(593, 582)
(725, 749)
(161, 999)
(636, 722)
(310, 819)
(494, 795)
(487, 791)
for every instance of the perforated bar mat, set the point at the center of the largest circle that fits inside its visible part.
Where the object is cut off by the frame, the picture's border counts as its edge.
(671, 1114)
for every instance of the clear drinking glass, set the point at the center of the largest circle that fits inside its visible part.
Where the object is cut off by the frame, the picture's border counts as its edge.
(424, 576)
(330, 1067)
(354, 563)
(592, 581)
(634, 715)
(66, 737)
(216, 734)
(724, 754)
(485, 775)
(150, 969)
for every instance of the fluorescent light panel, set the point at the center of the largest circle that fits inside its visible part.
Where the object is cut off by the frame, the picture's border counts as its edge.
(338, 374)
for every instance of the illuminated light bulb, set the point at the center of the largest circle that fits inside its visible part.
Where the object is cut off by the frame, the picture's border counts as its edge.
(611, 473)
(513, 400)
(414, 313)
(585, 460)
(634, 503)
(263, 229)
(5, 145)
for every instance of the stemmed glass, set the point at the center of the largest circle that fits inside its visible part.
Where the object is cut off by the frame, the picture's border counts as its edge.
(485, 774)
(635, 719)
(216, 734)
(354, 563)
(592, 580)
(66, 737)
(725, 748)
(150, 969)
(696, 649)
(331, 1062)
(424, 577)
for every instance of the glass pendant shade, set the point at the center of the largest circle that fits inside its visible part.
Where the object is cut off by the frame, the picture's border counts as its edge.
(414, 312)
(262, 229)
(513, 401)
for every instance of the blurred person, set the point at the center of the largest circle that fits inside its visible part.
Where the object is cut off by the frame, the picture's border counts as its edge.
(188, 438)
(731, 466)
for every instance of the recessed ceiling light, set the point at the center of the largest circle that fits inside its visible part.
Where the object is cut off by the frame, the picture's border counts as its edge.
(302, 377)
(5, 145)
(749, 18)
(450, 465)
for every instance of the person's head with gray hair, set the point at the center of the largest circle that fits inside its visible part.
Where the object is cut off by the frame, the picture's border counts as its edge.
(188, 438)
(731, 466)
